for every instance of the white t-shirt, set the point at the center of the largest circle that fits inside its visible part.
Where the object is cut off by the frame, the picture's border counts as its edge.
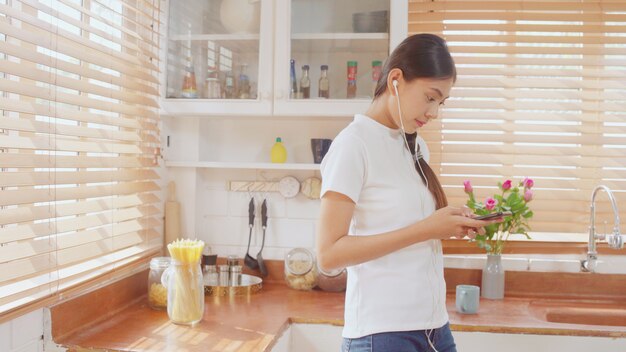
(404, 290)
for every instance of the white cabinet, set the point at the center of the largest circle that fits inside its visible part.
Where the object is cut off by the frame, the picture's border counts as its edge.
(312, 32)
(323, 337)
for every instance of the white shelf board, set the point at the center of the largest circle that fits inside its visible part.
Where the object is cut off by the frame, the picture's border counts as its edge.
(342, 36)
(340, 42)
(242, 165)
(214, 37)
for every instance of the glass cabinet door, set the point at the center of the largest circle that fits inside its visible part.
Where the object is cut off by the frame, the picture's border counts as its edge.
(219, 50)
(333, 53)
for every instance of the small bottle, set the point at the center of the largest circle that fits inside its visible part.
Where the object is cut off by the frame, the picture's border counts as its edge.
(352, 68)
(229, 85)
(293, 92)
(235, 275)
(224, 275)
(243, 83)
(305, 83)
(278, 153)
(189, 81)
(213, 90)
(324, 84)
(211, 275)
(377, 70)
(232, 260)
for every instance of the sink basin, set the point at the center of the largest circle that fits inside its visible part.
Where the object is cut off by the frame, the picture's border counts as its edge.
(584, 313)
(587, 316)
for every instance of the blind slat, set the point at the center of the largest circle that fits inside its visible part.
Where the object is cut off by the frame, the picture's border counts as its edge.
(12, 197)
(14, 179)
(41, 212)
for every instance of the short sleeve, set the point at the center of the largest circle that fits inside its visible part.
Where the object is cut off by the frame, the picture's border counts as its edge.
(423, 148)
(344, 167)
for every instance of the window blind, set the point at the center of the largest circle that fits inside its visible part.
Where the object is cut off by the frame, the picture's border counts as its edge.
(79, 134)
(541, 93)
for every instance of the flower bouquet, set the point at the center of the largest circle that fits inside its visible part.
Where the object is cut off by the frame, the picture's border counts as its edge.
(509, 198)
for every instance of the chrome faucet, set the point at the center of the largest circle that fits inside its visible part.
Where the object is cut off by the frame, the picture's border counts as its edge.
(615, 240)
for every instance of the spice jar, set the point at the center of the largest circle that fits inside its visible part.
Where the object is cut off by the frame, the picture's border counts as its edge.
(300, 269)
(332, 281)
(157, 293)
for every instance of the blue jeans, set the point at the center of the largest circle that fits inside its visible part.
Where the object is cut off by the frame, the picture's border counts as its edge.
(403, 341)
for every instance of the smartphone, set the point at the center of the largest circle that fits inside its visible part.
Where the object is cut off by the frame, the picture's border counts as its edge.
(497, 215)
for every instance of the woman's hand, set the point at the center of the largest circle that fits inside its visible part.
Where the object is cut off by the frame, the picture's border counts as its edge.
(450, 222)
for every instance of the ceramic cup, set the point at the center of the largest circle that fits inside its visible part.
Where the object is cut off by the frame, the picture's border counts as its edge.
(319, 147)
(467, 299)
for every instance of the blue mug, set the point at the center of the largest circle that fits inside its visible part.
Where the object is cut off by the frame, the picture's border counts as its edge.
(467, 299)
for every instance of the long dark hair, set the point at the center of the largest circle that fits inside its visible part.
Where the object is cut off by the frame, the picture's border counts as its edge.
(421, 56)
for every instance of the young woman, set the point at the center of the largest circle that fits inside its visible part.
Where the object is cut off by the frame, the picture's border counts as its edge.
(383, 211)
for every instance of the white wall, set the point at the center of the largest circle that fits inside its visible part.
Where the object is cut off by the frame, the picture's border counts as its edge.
(23, 334)
(211, 212)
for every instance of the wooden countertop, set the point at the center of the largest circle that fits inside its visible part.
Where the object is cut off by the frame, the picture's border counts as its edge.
(240, 324)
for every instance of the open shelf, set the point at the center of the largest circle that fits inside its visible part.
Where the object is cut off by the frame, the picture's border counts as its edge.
(214, 37)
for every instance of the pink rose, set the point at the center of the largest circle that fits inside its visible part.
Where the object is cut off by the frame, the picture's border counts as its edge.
(528, 195)
(490, 203)
(468, 187)
(528, 183)
(506, 185)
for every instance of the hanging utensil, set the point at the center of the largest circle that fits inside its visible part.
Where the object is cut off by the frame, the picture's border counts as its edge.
(259, 256)
(249, 260)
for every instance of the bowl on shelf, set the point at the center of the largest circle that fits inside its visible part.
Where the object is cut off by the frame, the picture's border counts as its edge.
(370, 22)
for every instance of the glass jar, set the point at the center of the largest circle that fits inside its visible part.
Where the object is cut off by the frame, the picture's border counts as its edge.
(300, 269)
(157, 293)
(185, 292)
(332, 281)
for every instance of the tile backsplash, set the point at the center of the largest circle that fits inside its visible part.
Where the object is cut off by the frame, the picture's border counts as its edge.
(221, 216)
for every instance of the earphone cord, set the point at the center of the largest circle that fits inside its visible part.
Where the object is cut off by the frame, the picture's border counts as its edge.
(406, 142)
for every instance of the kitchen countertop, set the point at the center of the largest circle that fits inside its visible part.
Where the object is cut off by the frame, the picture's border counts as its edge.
(253, 323)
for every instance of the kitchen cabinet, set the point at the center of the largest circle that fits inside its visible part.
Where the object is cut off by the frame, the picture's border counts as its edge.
(259, 40)
(324, 337)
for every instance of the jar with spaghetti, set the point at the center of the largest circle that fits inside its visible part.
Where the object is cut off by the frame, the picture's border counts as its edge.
(157, 293)
(184, 282)
(300, 269)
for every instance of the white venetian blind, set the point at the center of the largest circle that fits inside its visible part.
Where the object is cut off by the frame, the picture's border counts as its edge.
(78, 136)
(541, 92)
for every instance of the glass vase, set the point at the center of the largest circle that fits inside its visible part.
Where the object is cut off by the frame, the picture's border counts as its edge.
(493, 278)
(185, 292)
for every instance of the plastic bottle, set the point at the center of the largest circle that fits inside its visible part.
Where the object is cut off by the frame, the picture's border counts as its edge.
(278, 153)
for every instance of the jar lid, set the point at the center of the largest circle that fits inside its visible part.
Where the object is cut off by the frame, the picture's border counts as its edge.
(330, 273)
(160, 262)
(299, 261)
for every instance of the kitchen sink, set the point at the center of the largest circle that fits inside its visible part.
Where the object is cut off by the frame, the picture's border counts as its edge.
(587, 316)
(583, 313)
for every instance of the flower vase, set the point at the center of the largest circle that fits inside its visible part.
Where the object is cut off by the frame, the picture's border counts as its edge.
(493, 278)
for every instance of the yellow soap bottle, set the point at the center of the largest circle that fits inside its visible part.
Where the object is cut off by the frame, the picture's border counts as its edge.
(278, 153)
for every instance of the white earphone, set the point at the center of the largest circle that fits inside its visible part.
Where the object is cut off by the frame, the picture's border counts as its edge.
(417, 153)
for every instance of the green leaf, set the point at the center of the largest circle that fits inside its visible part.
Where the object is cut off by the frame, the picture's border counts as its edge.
(529, 214)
